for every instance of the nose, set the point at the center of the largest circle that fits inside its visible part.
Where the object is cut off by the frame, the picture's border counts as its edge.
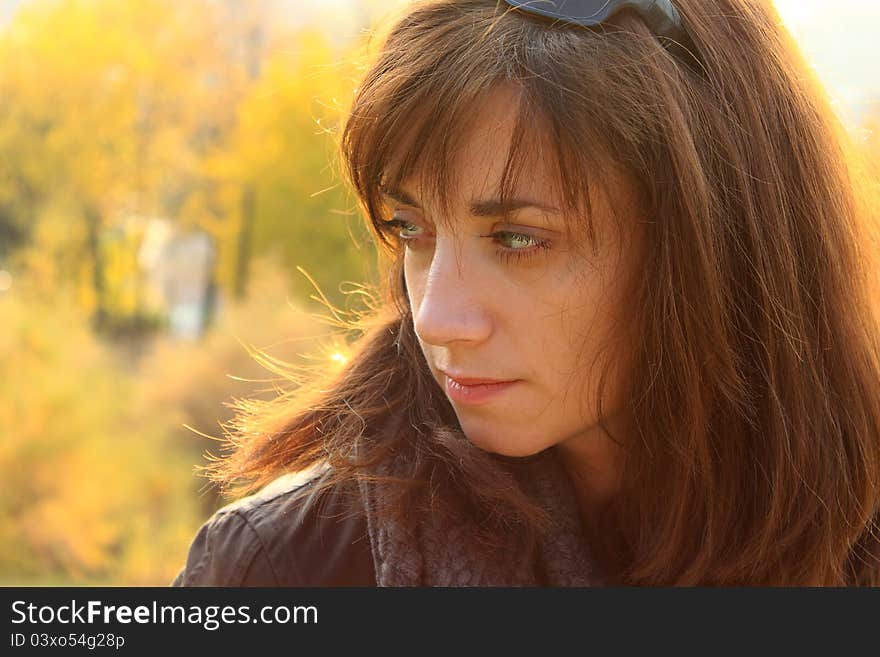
(448, 300)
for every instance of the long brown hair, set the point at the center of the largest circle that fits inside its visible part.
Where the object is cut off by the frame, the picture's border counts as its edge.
(756, 389)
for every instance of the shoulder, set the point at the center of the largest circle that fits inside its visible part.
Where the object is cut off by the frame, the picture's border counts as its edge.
(293, 532)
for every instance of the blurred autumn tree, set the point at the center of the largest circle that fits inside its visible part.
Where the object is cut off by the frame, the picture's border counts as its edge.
(871, 139)
(209, 114)
(192, 111)
(88, 495)
(95, 458)
(281, 162)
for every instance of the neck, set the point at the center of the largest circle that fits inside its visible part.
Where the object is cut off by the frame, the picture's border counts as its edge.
(593, 462)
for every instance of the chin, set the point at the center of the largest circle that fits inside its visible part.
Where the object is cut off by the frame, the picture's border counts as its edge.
(504, 446)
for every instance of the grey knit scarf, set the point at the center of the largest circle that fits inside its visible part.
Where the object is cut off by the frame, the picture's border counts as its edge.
(441, 549)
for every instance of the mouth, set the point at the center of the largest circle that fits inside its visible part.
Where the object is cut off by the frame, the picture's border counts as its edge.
(475, 390)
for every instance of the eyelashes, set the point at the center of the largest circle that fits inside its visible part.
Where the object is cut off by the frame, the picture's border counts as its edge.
(397, 229)
(509, 255)
(393, 228)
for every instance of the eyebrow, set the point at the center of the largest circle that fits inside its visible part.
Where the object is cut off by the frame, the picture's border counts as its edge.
(483, 208)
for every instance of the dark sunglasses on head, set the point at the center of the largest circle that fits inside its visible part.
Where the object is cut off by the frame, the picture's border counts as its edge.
(661, 17)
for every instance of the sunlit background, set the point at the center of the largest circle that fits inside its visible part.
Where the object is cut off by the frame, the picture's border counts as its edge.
(169, 198)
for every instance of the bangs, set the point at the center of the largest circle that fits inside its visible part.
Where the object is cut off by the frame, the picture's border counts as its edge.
(419, 102)
(426, 154)
(572, 101)
(429, 155)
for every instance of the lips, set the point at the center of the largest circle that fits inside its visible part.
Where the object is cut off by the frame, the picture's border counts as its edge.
(475, 390)
(468, 381)
(475, 381)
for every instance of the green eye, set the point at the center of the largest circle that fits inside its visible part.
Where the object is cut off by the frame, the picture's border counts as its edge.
(408, 228)
(515, 241)
(518, 247)
(400, 228)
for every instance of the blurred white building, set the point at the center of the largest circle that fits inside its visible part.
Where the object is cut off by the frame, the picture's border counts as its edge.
(179, 276)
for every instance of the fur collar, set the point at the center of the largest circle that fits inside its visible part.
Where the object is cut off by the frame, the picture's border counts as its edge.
(440, 550)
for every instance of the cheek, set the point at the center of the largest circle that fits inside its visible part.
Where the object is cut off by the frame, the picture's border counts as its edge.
(413, 287)
(572, 327)
(581, 348)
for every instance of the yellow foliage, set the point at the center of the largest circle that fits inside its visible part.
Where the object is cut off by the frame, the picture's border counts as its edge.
(77, 471)
(96, 460)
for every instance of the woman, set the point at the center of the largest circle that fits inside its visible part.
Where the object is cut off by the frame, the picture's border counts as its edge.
(628, 335)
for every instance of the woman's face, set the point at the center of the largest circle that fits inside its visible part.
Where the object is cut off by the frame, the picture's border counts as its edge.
(500, 294)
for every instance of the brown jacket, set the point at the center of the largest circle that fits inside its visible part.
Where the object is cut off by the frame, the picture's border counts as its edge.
(287, 534)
